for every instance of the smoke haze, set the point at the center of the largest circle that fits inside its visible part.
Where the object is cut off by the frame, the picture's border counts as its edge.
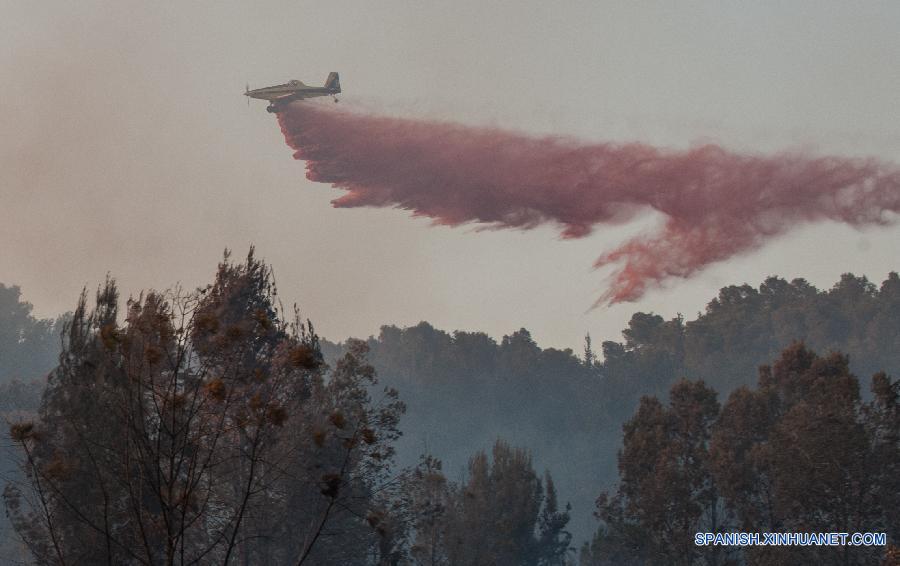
(716, 203)
(130, 149)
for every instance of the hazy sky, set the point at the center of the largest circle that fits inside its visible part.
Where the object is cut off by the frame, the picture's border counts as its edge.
(127, 147)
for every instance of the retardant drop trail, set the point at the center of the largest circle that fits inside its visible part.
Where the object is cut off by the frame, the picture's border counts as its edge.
(716, 203)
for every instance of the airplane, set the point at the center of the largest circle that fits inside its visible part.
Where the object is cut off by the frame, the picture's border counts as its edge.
(280, 96)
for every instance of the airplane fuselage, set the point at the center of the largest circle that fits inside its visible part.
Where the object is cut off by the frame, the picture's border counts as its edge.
(288, 89)
(283, 94)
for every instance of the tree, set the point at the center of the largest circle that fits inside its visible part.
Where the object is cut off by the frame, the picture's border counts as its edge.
(464, 389)
(502, 514)
(882, 421)
(590, 358)
(803, 453)
(800, 453)
(429, 498)
(553, 540)
(28, 346)
(666, 491)
(189, 432)
(19, 402)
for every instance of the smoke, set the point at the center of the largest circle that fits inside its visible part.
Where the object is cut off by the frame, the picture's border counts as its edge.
(716, 203)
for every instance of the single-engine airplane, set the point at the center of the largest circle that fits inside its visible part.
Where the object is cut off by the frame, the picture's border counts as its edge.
(280, 96)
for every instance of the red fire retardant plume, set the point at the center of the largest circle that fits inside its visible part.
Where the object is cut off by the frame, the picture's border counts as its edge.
(716, 203)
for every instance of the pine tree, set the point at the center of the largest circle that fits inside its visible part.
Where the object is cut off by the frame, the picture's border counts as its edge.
(589, 356)
(202, 429)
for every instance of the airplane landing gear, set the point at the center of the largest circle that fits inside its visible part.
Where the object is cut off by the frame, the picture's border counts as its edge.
(271, 109)
(335, 100)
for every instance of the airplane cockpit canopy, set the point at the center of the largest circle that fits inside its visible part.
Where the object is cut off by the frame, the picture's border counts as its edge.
(295, 82)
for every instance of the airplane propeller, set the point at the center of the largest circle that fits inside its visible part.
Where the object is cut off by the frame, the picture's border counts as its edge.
(246, 92)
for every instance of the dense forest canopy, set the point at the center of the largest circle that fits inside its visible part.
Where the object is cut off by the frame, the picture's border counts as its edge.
(465, 389)
(744, 327)
(543, 409)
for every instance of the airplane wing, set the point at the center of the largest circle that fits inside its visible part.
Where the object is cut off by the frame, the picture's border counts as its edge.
(284, 97)
(295, 96)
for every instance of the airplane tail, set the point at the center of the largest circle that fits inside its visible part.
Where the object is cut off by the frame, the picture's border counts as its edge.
(333, 82)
